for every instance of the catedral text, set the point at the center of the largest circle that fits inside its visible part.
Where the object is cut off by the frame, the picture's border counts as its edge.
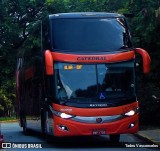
(92, 58)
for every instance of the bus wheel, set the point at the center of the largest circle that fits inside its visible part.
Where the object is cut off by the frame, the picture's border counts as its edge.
(43, 127)
(25, 129)
(21, 119)
(114, 138)
(47, 136)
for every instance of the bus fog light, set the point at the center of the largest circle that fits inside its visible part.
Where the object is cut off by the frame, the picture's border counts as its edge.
(131, 125)
(63, 127)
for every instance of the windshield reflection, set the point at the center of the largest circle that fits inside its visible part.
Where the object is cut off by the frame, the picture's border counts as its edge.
(94, 82)
(90, 34)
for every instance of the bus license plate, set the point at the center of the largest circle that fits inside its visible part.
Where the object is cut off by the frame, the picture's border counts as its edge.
(99, 132)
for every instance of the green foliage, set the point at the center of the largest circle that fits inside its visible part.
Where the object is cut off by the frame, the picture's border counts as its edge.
(13, 118)
(6, 101)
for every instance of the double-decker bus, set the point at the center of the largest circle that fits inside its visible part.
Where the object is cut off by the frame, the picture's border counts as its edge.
(76, 76)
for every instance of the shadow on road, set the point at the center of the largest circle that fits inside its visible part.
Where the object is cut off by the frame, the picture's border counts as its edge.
(78, 141)
(85, 142)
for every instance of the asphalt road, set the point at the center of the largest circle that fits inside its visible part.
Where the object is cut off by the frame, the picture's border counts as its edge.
(13, 135)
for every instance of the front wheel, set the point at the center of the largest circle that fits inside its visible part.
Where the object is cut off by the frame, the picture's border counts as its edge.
(114, 138)
(46, 128)
(25, 129)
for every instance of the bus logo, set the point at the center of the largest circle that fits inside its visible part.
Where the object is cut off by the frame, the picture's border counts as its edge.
(99, 120)
(93, 58)
(98, 105)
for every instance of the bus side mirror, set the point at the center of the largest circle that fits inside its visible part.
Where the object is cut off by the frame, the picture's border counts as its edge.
(146, 59)
(48, 62)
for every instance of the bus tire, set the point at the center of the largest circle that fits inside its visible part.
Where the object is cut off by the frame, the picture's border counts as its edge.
(25, 129)
(47, 136)
(21, 118)
(43, 127)
(114, 138)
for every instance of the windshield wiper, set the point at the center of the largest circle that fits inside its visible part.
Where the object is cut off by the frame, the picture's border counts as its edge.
(64, 102)
(124, 48)
(71, 100)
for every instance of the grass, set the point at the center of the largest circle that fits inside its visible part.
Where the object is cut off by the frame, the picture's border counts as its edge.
(7, 118)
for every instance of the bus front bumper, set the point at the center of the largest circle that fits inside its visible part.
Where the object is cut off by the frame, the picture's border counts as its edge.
(68, 127)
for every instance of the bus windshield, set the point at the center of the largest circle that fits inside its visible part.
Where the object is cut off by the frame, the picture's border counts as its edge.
(89, 34)
(94, 82)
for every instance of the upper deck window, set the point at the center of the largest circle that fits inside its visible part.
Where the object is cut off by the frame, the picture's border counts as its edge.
(89, 34)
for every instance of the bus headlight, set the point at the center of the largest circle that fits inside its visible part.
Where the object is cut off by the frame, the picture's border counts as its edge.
(60, 114)
(130, 113)
(63, 115)
(66, 116)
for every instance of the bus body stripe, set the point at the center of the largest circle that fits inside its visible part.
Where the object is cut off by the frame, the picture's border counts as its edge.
(104, 58)
(95, 111)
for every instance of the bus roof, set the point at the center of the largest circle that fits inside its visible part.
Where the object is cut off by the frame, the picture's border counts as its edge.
(86, 15)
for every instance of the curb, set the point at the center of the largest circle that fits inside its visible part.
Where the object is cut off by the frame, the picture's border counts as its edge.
(147, 138)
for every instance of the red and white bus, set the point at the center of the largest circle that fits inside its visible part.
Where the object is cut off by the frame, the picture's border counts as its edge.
(76, 76)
